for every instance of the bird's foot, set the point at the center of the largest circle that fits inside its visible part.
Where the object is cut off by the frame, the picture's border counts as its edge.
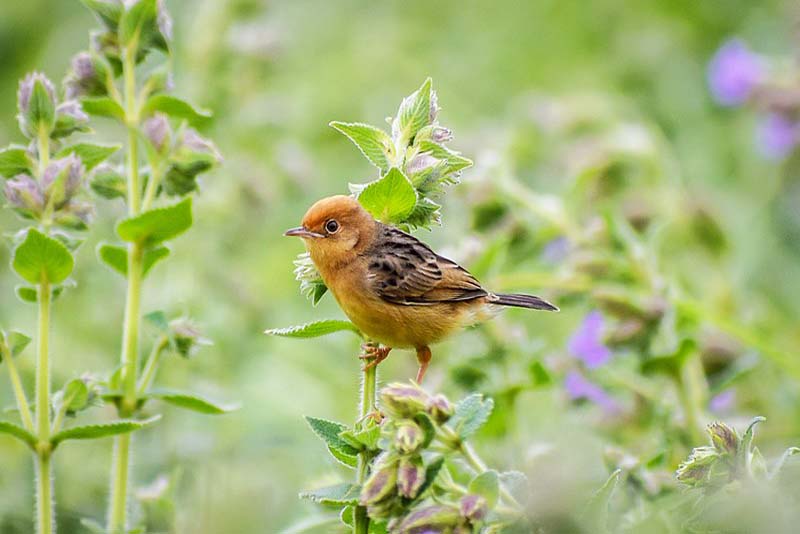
(376, 415)
(424, 358)
(373, 354)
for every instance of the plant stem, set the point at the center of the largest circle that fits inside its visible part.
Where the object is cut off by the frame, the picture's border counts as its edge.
(19, 393)
(151, 366)
(369, 380)
(44, 499)
(117, 517)
(43, 147)
(692, 391)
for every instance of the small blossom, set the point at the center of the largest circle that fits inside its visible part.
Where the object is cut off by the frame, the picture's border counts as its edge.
(420, 162)
(578, 387)
(441, 134)
(87, 76)
(62, 179)
(73, 110)
(430, 519)
(36, 113)
(157, 131)
(403, 400)
(186, 337)
(777, 136)
(410, 477)
(724, 438)
(23, 192)
(408, 437)
(697, 467)
(586, 342)
(722, 402)
(26, 90)
(439, 408)
(556, 250)
(380, 485)
(734, 72)
(474, 507)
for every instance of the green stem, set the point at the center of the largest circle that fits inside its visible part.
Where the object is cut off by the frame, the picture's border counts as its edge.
(44, 494)
(151, 366)
(692, 392)
(117, 516)
(369, 380)
(44, 499)
(19, 392)
(43, 147)
(152, 187)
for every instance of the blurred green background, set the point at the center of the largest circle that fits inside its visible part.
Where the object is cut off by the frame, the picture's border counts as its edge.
(547, 94)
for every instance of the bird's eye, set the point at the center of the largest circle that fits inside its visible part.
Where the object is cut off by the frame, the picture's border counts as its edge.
(332, 226)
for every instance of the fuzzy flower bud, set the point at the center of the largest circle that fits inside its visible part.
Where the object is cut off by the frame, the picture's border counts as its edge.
(408, 438)
(441, 134)
(62, 179)
(36, 100)
(410, 476)
(403, 400)
(439, 408)
(420, 163)
(70, 118)
(381, 484)
(724, 438)
(433, 519)
(23, 193)
(696, 468)
(474, 507)
(157, 131)
(186, 337)
(87, 76)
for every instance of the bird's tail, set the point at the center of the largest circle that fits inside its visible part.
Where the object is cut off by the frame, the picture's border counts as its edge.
(522, 301)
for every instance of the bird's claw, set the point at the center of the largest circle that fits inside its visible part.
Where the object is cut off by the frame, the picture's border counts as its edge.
(374, 354)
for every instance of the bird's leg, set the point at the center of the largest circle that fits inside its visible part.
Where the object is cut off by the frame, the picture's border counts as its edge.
(424, 358)
(374, 353)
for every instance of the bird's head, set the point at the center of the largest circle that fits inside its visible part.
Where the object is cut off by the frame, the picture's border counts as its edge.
(334, 228)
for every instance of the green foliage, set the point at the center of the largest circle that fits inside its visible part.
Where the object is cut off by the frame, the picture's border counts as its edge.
(374, 143)
(101, 430)
(158, 225)
(18, 432)
(41, 259)
(190, 401)
(15, 160)
(337, 495)
(91, 155)
(390, 199)
(471, 414)
(314, 329)
(116, 257)
(175, 108)
(103, 106)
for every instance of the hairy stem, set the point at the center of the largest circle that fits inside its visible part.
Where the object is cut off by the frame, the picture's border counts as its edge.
(151, 366)
(44, 499)
(369, 380)
(117, 516)
(19, 392)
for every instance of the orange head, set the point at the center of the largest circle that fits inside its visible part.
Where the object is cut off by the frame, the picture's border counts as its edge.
(333, 228)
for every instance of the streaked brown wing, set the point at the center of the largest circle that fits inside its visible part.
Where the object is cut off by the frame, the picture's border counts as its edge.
(404, 270)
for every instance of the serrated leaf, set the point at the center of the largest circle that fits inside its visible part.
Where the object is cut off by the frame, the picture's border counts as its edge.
(15, 160)
(373, 142)
(390, 199)
(329, 432)
(176, 108)
(596, 511)
(101, 430)
(135, 18)
(40, 258)
(91, 155)
(344, 458)
(190, 401)
(470, 414)
(158, 225)
(414, 113)
(116, 257)
(339, 494)
(455, 162)
(314, 329)
(486, 485)
(18, 432)
(109, 13)
(103, 106)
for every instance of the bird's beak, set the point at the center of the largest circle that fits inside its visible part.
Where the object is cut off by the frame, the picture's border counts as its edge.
(301, 232)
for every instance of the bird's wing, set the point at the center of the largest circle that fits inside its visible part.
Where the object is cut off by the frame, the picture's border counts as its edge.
(404, 270)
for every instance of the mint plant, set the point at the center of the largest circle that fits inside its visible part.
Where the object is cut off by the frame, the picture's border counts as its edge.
(407, 450)
(164, 155)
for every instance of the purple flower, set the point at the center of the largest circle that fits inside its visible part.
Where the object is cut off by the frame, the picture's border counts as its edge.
(734, 72)
(579, 387)
(586, 343)
(722, 402)
(777, 136)
(556, 250)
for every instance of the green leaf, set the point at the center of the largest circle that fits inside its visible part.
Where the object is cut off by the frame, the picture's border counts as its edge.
(73, 397)
(487, 486)
(414, 113)
(158, 225)
(339, 494)
(41, 108)
(314, 329)
(744, 453)
(159, 320)
(91, 155)
(455, 162)
(108, 183)
(29, 295)
(373, 142)
(190, 401)
(18, 432)
(15, 160)
(176, 108)
(116, 257)
(471, 413)
(42, 259)
(596, 511)
(329, 432)
(14, 342)
(109, 13)
(103, 106)
(390, 199)
(102, 430)
(134, 19)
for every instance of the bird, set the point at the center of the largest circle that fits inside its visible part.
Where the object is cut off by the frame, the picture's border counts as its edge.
(393, 287)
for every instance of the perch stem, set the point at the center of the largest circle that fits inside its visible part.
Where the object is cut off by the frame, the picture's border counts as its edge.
(368, 386)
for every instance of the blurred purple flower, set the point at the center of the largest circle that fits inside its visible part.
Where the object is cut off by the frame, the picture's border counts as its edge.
(579, 387)
(586, 343)
(777, 136)
(734, 72)
(722, 402)
(556, 250)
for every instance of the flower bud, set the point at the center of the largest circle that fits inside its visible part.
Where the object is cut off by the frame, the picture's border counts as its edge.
(697, 467)
(186, 337)
(381, 484)
(24, 193)
(36, 100)
(408, 437)
(403, 400)
(420, 163)
(62, 179)
(433, 519)
(474, 507)
(724, 438)
(410, 476)
(108, 182)
(439, 408)
(87, 76)
(157, 131)
(75, 215)
(192, 155)
(70, 118)
(441, 134)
